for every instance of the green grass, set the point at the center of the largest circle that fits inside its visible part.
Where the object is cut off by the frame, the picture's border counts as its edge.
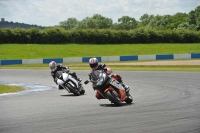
(9, 89)
(35, 51)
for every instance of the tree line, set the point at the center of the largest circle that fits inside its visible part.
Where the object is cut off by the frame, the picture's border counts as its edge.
(178, 21)
(177, 28)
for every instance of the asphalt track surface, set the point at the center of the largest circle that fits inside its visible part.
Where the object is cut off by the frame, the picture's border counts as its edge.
(164, 102)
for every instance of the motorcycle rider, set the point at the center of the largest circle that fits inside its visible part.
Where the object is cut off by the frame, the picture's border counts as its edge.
(54, 68)
(94, 65)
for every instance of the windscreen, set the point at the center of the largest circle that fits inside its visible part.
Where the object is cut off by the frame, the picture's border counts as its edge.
(58, 74)
(95, 75)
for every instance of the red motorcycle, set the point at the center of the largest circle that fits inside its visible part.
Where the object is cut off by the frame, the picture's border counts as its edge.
(109, 87)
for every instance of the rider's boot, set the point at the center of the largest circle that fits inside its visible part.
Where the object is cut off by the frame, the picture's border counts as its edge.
(127, 89)
(79, 79)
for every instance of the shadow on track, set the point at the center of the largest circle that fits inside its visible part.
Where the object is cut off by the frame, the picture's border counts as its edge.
(113, 105)
(71, 95)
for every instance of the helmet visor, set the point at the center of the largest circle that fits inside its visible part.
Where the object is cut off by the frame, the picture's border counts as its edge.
(52, 67)
(94, 65)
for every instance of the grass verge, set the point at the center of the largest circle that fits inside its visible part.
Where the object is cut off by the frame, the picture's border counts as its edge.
(115, 66)
(35, 51)
(9, 89)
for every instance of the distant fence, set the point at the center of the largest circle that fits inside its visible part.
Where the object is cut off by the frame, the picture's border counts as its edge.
(103, 59)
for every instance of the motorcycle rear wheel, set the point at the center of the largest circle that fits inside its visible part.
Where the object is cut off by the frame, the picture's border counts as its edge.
(114, 98)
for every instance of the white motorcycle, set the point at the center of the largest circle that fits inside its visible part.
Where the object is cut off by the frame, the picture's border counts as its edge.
(68, 82)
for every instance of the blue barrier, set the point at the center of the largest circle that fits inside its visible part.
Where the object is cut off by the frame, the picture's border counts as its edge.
(128, 58)
(10, 62)
(57, 60)
(103, 58)
(164, 57)
(195, 56)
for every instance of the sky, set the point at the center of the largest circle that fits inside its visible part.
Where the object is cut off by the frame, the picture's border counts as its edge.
(51, 12)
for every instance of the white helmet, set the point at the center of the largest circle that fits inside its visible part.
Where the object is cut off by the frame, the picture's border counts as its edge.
(93, 62)
(52, 65)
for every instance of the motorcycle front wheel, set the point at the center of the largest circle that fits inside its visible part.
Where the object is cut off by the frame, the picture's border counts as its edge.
(74, 90)
(114, 97)
(82, 91)
(129, 100)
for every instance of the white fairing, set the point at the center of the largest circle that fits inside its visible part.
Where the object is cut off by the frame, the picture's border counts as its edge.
(66, 77)
(72, 79)
(60, 82)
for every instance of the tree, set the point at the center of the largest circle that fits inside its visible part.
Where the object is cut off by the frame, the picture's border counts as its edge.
(70, 23)
(95, 22)
(102, 22)
(125, 23)
(192, 17)
(176, 20)
(145, 19)
(154, 22)
(159, 22)
(183, 26)
(197, 15)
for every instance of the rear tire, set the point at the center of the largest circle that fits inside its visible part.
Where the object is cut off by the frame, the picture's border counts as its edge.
(114, 97)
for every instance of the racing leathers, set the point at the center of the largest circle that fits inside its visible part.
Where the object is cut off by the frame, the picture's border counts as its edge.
(116, 76)
(62, 68)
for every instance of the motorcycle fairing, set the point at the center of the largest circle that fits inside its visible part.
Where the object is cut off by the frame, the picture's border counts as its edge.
(66, 78)
(115, 84)
(95, 75)
(69, 77)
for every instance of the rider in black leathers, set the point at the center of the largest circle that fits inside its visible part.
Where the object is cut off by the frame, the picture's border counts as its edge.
(94, 65)
(54, 68)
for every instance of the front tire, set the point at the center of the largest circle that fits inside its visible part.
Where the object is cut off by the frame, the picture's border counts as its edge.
(82, 90)
(74, 90)
(129, 100)
(114, 97)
